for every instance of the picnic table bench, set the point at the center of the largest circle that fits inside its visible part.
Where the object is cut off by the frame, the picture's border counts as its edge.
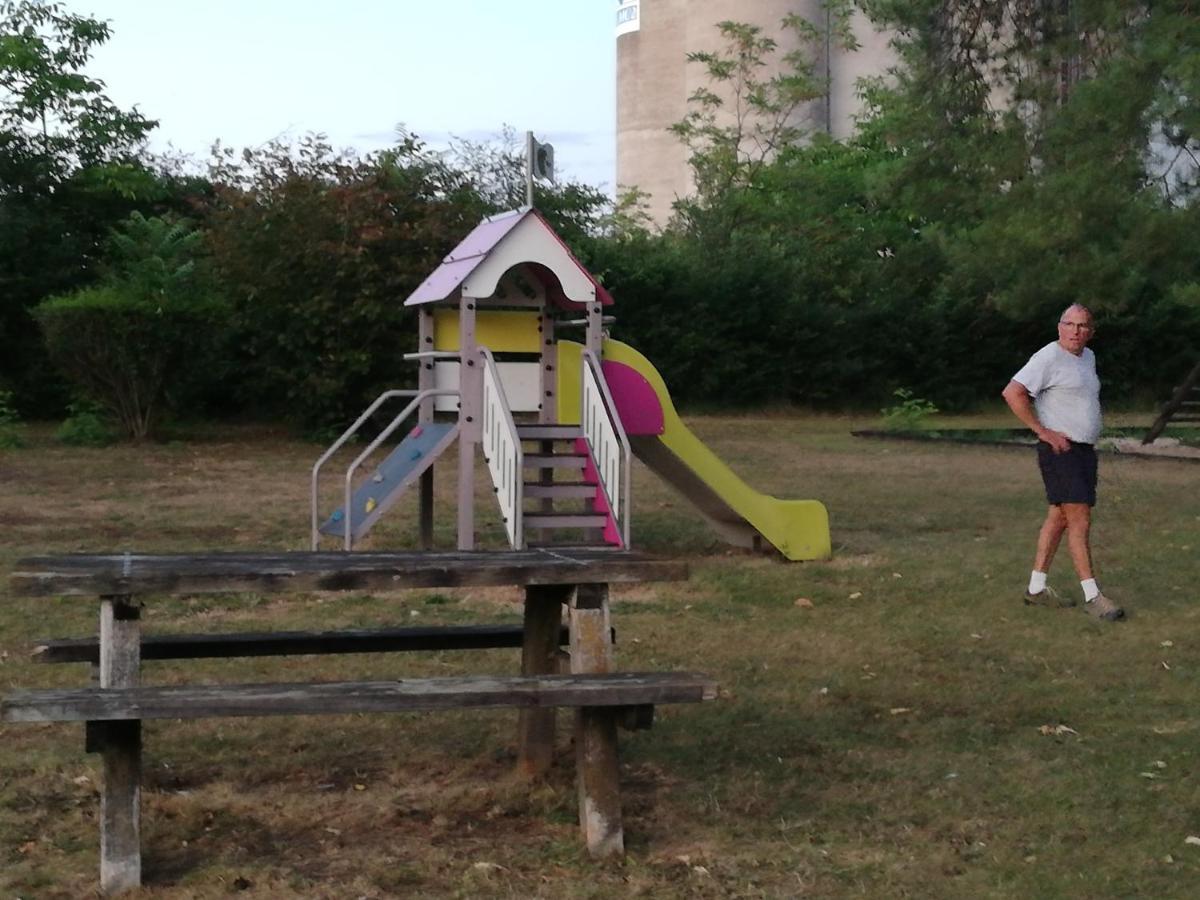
(576, 580)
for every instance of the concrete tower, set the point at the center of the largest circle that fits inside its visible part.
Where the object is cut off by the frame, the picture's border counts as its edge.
(654, 80)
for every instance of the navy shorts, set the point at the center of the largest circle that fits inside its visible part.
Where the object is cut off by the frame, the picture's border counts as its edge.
(1070, 477)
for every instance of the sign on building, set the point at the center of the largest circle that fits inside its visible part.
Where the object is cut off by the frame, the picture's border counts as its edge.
(627, 16)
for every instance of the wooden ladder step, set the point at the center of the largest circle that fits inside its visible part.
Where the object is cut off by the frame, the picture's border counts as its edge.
(212, 701)
(599, 546)
(562, 489)
(565, 520)
(555, 460)
(295, 643)
(549, 432)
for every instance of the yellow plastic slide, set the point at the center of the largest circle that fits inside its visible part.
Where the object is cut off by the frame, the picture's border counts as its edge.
(799, 529)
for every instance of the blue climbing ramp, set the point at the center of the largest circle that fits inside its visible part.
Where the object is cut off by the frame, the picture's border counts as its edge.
(400, 470)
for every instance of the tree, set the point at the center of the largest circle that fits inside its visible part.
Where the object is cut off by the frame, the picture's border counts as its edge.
(49, 104)
(748, 112)
(317, 251)
(1050, 150)
(68, 172)
(148, 332)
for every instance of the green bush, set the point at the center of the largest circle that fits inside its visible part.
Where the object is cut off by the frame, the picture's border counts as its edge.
(86, 426)
(129, 354)
(146, 337)
(909, 414)
(10, 431)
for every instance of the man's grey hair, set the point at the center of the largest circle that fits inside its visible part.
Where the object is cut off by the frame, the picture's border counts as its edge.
(1081, 308)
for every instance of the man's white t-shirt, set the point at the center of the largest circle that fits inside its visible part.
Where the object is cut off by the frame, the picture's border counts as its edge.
(1065, 390)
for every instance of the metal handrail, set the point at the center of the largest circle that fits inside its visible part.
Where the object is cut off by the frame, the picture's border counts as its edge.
(374, 445)
(604, 320)
(511, 502)
(433, 354)
(618, 505)
(347, 434)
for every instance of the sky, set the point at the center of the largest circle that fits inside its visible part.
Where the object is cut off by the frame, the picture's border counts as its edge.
(247, 71)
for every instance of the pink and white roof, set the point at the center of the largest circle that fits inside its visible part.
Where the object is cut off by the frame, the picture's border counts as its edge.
(499, 243)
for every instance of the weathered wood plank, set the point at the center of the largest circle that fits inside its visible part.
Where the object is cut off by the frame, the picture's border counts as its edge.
(205, 701)
(591, 629)
(597, 771)
(121, 750)
(294, 643)
(119, 647)
(91, 575)
(120, 745)
(539, 656)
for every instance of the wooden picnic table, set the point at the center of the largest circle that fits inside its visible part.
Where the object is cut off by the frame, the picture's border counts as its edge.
(574, 579)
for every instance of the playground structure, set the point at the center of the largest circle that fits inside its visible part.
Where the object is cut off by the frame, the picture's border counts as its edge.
(558, 421)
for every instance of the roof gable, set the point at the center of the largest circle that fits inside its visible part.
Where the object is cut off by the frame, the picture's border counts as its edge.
(499, 243)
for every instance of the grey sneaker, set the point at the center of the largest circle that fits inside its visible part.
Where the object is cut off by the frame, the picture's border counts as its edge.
(1103, 608)
(1048, 596)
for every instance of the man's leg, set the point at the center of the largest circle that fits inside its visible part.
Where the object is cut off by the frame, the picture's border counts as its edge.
(1039, 593)
(1078, 518)
(1048, 538)
(1079, 522)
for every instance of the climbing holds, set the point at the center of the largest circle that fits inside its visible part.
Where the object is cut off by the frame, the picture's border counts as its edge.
(337, 515)
(416, 454)
(416, 432)
(371, 504)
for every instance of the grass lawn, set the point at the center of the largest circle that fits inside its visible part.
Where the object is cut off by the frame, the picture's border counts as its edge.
(910, 731)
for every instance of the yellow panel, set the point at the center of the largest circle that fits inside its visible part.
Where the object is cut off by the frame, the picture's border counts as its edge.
(500, 332)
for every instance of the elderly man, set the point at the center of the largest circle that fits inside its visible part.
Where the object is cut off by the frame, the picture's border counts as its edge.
(1057, 394)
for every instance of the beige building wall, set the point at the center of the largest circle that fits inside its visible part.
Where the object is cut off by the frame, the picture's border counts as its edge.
(654, 81)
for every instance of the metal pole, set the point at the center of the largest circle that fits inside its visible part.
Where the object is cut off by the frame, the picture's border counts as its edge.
(828, 71)
(529, 168)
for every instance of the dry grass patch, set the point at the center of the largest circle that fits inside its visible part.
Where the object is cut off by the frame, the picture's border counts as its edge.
(901, 734)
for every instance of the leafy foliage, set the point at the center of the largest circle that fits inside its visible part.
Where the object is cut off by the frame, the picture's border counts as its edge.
(10, 431)
(743, 117)
(68, 173)
(909, 413)
(86, 426)
(318, 250)
(50, 108)
(142, 338)
(1026, 156)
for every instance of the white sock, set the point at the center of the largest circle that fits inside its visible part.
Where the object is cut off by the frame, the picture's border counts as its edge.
(1090, 590)
(1037, 582)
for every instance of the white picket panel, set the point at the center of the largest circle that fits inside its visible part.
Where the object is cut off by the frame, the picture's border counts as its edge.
(607, 442)
(502, 449)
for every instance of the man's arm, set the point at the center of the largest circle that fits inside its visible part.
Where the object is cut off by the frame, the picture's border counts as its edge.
(1019, 401)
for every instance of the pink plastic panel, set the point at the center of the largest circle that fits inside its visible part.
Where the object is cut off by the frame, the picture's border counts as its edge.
(637, 403)
(612, 534)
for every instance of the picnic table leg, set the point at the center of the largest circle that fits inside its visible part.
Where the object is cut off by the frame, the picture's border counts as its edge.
(120, 744)
(539, 656)
(596, 762)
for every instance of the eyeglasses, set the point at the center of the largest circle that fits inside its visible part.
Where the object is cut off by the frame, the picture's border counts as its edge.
(1078, 326)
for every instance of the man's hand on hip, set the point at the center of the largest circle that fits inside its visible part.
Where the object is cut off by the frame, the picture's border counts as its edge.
(1058, 441)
